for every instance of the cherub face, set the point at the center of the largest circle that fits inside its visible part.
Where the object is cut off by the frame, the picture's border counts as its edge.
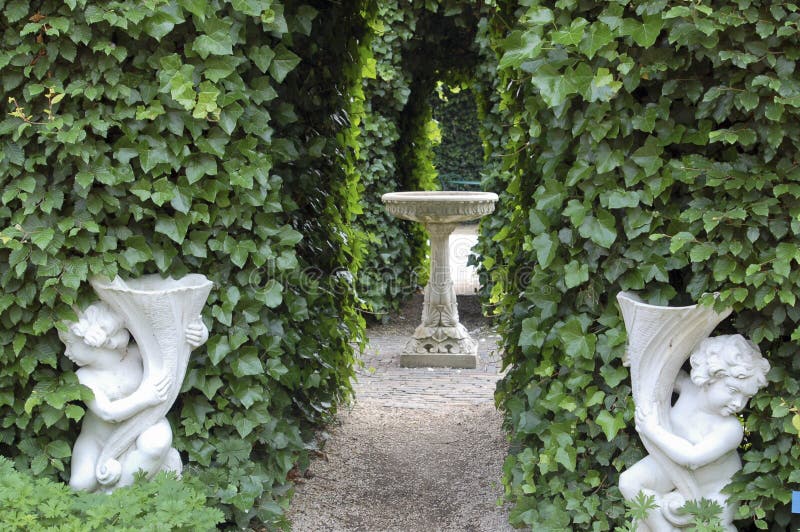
(728, 396)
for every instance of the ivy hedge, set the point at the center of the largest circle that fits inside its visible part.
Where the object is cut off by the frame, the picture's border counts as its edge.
(459, 157)
(648, 146)
(173, 137)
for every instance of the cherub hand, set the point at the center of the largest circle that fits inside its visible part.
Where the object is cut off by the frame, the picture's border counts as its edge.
(95, 336)
(156, 390)
(646, 420)
(196, 333)
(102, 408)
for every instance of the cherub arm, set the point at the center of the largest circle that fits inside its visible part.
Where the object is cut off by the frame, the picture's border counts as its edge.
(726, 438)
(147, 395)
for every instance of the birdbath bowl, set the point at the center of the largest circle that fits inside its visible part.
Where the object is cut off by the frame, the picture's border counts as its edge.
(440, 340)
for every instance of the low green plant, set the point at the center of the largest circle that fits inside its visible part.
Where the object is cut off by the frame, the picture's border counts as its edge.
(705, 514)
(166, 503)
(637, 510)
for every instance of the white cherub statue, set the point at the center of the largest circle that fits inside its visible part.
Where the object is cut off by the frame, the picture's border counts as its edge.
(705, 431)
(111, 366)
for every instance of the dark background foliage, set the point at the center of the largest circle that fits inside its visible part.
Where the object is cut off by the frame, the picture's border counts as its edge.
(459, 156)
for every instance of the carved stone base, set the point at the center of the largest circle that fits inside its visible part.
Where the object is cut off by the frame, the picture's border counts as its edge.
(440, 347)
(438, 360)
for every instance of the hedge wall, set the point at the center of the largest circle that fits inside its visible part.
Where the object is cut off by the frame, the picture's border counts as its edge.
(650, 146)
(395, 255)
(173, 137)
(460, 154)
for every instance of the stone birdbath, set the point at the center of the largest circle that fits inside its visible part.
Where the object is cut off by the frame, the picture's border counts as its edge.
(440, 340)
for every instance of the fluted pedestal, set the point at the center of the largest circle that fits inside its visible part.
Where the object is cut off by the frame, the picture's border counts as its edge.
(440, 340)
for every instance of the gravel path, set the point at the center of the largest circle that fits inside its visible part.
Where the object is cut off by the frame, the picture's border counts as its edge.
(420, 450)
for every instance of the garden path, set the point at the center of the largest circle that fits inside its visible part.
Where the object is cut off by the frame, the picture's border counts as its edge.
(421, 449)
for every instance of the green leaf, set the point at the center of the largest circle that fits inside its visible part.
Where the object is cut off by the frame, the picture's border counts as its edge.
(646, 32)
(42, 237)
(571, 36)
(567, 456)
(16, 10)
(251, 7)
(217, 43)
(575, 274)
(598, 36)
(607, 158)
(520, 47)
(610, 424)
(601, 228)
(283, 63)
(545, 247)
(175, 228)
(262, 56)
(197, 8)
(218, 348)
(679, 240)
(577, 343)
(271, 294)
(200, 166)
(207, 101)
(552, 84)
(247, 364)
(649, 156)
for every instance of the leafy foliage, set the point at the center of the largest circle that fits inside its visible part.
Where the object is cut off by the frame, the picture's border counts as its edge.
(648, 147)
(459, 157)
(174, 137)
(165, 503)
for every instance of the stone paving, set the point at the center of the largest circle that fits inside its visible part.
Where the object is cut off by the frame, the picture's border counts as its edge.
(381, 379)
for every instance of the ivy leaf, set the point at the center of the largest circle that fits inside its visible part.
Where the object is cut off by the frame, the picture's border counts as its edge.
(271, 294)
(644, 33)
(253, 8)
(575, 274)
(520, 47)
(552, 84)
(283, 63)
(600, 228)
(577, 343)
(598, 36)
(247, 364)
(545, 247)
(218, 347)
(571, 36)
(207, 101)
(262, 57)
(197, 8)
(200, 166)
(217, 43)
(610, 424)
